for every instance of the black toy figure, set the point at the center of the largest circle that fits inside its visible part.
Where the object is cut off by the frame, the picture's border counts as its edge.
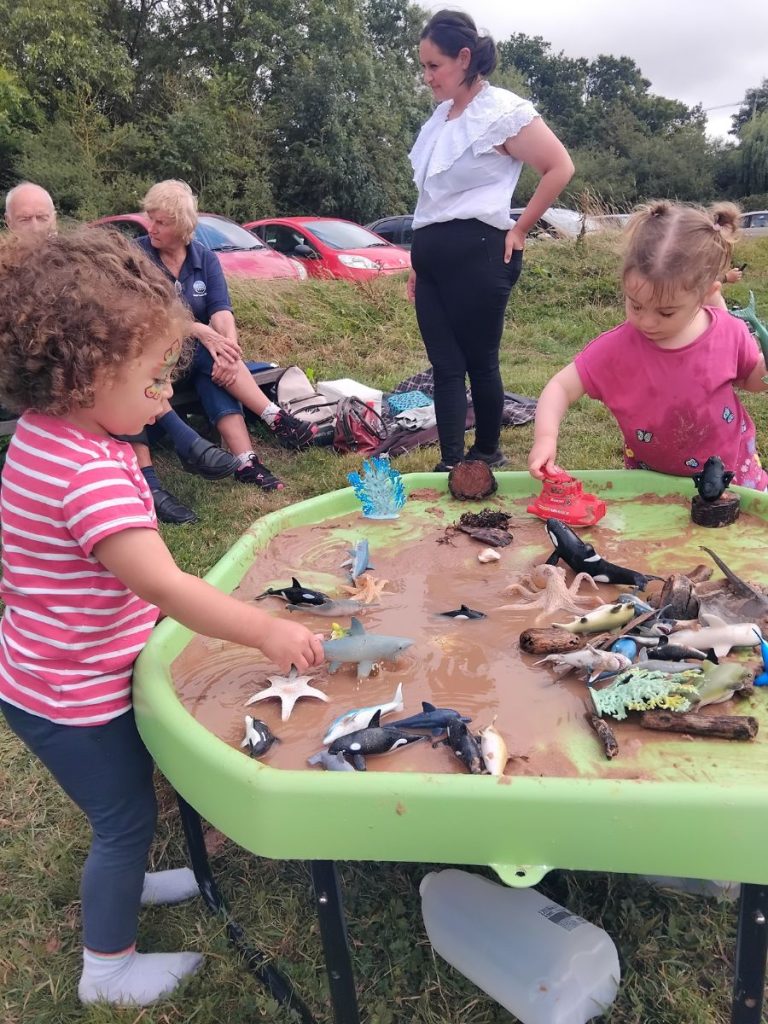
(712, 481)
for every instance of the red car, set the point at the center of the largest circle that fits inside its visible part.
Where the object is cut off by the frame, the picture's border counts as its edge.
(329, 247)
(241, 254)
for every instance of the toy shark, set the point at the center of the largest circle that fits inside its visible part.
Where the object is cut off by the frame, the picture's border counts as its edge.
(601, 619)
(719, 636)
(331, 762)
(713, 479)
(365, 649)
(463, 613)
(434, 720)
(258, 737)
(582, 557)
(295, 594)
(330, 608)
(358, 559)
(372, 740)
(464, 745)
(360, 718)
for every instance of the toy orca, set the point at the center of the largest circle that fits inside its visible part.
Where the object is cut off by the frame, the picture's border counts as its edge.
(713, 479)
(582, 557)
(465, 746)
(372, 740)
(431, 718)
(295, 594)
(258, 737)
(463, 613)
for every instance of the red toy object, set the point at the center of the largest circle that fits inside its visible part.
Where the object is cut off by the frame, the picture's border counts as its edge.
(562, 498)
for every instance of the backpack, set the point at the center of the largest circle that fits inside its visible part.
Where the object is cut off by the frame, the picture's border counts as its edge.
(359, 428)
(296, 394)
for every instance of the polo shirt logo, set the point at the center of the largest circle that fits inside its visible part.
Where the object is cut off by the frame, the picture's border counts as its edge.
(199, 288)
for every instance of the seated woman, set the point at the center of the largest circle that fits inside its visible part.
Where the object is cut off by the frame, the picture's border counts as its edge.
(218, 373)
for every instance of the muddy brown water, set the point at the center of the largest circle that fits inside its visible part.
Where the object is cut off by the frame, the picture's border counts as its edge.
(473, 666)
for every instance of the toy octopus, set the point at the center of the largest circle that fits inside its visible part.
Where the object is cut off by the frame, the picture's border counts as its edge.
(545, 587)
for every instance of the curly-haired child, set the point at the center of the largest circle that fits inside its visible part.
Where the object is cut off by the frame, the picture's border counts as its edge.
(90, 333)
(668, 373)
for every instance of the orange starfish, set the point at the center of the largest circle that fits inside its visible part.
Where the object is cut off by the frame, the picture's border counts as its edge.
(367, 589)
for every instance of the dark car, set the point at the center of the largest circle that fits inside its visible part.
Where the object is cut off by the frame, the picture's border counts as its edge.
(397, 230)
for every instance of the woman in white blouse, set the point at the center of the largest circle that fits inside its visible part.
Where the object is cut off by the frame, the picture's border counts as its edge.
(467, 252)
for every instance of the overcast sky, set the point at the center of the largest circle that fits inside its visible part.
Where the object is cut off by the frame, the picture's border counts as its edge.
(697, 51)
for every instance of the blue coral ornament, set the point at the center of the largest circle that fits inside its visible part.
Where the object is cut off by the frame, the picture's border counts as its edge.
(380, 491)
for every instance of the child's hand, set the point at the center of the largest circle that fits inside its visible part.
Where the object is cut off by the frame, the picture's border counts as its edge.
(289, 643)
(541, 460)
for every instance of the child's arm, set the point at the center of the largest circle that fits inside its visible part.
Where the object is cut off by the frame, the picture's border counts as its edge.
(755, 381)
(561, 392)
(140, 560)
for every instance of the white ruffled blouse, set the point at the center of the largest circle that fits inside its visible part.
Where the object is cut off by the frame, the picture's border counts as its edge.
(457, 169)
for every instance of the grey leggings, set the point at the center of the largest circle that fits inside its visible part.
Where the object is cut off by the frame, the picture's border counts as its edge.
(107, 771)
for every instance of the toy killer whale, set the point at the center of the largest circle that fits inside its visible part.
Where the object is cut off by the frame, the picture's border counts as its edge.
(435, 720)
(582, 557)
(258, 736)
(464, 745)
(463, 613)
(295, 594)
(372, 740)
(713, 479)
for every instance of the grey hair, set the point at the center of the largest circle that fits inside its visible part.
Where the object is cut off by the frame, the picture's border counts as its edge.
(12, 192)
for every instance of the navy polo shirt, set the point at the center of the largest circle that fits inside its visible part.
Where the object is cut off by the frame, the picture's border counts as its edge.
(200, 282)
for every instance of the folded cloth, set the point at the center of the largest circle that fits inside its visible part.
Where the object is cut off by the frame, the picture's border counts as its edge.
(408, 400)
(417, 419)
(518, 409)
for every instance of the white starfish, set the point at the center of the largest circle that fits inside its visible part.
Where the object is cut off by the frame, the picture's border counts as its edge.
(288, 688)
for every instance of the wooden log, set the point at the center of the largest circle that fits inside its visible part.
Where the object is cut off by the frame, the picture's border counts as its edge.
(605, 735)
(724, 727)
(722, 512)
(550, 640)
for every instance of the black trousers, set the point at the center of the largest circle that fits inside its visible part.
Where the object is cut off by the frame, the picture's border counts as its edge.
(462, 290)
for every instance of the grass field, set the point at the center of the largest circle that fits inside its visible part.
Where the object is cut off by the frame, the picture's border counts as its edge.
(676, 950)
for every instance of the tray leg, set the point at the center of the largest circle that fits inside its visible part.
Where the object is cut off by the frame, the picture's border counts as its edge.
(751, 950)
(256, 961)
(333, 931)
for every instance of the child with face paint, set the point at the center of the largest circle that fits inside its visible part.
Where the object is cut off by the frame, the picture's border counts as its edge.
(85, 572)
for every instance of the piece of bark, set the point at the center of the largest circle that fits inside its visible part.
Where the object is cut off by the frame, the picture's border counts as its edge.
(550, 640)
(722, 512)
(604, 734)
(724, 727)
(490, 536)
(469, 481)
(678, 597)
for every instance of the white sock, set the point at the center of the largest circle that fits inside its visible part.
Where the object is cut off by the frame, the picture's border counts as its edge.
(133, 978)
(270, 413)
(172, 886)
(244, 458)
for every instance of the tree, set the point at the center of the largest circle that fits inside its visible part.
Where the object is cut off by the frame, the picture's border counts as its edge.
(754, 154)
(755, 102)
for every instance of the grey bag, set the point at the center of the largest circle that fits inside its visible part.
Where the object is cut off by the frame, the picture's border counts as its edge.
(296, 394)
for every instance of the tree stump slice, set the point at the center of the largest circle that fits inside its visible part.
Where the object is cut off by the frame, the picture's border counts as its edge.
(722, 512)
(469, 481)
(550, 640)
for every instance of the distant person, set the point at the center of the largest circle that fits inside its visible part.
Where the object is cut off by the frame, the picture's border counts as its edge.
(222, 380)
(668, 373)
(85, 571)
(30, 214)
(467, 252)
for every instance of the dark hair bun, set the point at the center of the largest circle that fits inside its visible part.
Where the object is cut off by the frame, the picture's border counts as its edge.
(454, 31)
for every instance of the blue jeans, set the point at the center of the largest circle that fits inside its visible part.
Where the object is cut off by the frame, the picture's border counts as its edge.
(215, 400)
(107, 771)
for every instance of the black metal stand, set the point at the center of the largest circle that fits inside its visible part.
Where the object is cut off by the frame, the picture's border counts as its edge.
(255, 960)
(751, 952)
(333, 932)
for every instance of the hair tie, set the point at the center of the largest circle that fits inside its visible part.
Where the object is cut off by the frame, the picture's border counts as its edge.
(717, 227)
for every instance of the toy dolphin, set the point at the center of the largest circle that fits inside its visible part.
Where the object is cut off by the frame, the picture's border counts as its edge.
(719, 636)
(331, 762)
(372, 740)
(358, 559)
(713, 479)
(464, 745)
(433, 719)
(258, 737)
(365, 649)
(605, 617)
(463, 613)
(360, 718)
(295, 594)
(582, 557)
(330, 608)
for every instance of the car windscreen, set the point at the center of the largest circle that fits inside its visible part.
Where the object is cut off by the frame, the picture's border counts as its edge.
(224, 236)
(339, 234)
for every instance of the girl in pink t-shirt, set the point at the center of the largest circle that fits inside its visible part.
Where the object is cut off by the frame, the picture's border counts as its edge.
(91, 332)
(669, 372)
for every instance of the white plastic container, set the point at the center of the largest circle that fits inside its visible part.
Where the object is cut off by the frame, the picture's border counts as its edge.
(539, 961)
(345, 387)
(724, 892)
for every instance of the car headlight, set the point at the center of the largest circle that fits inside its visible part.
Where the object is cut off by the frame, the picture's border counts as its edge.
(301, 270)
(359, 262)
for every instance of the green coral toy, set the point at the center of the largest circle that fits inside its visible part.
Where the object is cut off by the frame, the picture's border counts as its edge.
(760, 331)
(644, 690)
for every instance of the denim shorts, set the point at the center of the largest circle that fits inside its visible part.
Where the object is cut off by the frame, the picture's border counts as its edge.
(215, 400)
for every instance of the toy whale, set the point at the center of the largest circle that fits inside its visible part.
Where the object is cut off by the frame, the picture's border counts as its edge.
(358, 559)
(360, 718)
(463, 612)
(718, 635)
(295, 594)
(435, 720)
(464, 745)
(582, 557)
(372, 740)
(365, 649)
(258, 737)
(713, 479)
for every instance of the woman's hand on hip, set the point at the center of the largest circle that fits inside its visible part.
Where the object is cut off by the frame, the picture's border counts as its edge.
(515, 240)
(410, 287)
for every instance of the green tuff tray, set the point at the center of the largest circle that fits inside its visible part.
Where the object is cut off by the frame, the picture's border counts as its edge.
(714, 827)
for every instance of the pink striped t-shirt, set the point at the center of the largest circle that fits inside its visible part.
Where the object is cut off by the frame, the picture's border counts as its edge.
(71, 631)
